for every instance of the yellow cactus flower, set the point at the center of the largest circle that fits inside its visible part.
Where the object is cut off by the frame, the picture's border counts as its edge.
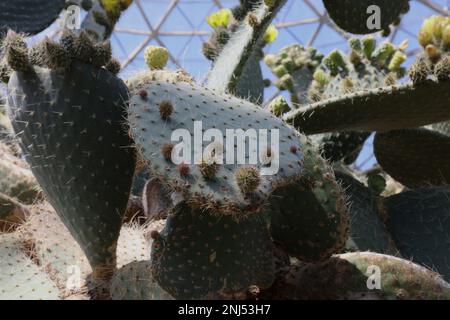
(271, 34)
(220, 18)
(156, 57)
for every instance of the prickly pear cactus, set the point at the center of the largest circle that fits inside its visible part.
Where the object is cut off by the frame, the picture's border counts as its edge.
(20, 277)
(201, 256)
(67, 111)
(28, 16)
(367, 228)
(347, 277)
(233, 189)
(134, 281)
(310, 219)
(422, 151)
(418, 221)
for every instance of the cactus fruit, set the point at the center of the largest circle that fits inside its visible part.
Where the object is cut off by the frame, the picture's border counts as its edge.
(348, 277)
(367, 229)
(200, 256)
(419, 224)
(156, 57)
(20, 277)
(434, 37)
(279, 106)
(309, 220)
(195, 106)
(294, 66)
(75, 143)
(28, 16)
(421, 151)
(354, 15)
(134, 281)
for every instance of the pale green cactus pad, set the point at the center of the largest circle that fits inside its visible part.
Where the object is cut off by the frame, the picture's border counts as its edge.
(20, 277)
(191, 105)
(134, 281)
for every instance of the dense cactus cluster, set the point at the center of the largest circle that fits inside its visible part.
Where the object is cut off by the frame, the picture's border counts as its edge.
(142, 189)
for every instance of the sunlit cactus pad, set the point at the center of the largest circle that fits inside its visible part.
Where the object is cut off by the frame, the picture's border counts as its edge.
(381, 109)
(189, 105)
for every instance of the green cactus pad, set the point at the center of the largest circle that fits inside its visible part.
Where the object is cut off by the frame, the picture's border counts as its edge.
(200, 256)
(352, 15)
(414, 157)
(70, 123)
(16, 180)
(28, 16)
(132, 245)
(251, 83)
(348, 276)
(420, 226)
(134, 281)
(193, 103)
(20, 277)
(338, 146)
(381, 109)
(310, 220)
(367, 229)
(55, 247)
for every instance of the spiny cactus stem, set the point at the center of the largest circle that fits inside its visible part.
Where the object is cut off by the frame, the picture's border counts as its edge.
(230, 64)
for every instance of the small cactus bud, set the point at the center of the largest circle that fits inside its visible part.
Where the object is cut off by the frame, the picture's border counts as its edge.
(397, 60)
(355, 44)
(419, 70)
(442, 69)
(335, 62)
(432, 52)
(55, 56)
(321, 77)
(156, 57)
(247, 179)
(165, 109)
(293, 149)
(143, 94)
(183, 169)
(102, 54)
(113, 66)
(279, 106)
(16, 51)
(208, 169)
(166, 151)
(154, 234)
(369, 46)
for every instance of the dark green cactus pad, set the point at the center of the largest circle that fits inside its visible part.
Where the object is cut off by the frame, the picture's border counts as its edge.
(381, 109)
(367, 229)
(72, 132)
(28, 16)
(414, 157)
(134, 281)
(341, 146)
(200, 256)
(420, 226)
(352, 15)
(310, 220)
(191, 103)
(251, 83)
(348, 277)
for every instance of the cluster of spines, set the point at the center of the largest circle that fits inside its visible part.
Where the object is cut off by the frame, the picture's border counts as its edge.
(54, 55)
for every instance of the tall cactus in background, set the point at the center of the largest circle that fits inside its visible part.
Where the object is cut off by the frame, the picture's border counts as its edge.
(288, 217)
